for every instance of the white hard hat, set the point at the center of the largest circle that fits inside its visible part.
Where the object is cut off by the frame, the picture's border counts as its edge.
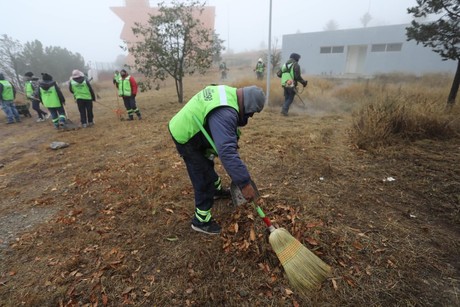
(260, 59)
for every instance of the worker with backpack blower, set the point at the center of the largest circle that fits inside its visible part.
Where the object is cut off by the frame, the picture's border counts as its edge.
(290, 76)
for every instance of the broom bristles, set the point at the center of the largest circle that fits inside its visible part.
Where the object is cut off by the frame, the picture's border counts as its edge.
(304, 269)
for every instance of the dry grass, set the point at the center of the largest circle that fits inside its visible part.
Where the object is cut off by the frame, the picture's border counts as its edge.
(114, 208)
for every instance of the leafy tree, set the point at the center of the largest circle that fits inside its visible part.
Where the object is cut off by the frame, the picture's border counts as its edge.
(16, 59)
(365, 19)
(10, 59)
(331, 25)
(442, 34)
(33, 57)
(60, 62)
(174, 43)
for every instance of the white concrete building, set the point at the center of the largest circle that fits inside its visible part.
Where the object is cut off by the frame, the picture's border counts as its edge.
(363, 52)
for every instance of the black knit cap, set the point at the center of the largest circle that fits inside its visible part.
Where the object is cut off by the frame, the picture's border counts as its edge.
(47, 77)
(295, 56)
(29, 74)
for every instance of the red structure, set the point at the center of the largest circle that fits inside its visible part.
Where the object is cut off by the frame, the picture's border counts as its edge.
(139, 11)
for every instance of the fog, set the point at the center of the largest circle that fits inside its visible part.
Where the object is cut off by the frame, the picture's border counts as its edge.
(90, 28)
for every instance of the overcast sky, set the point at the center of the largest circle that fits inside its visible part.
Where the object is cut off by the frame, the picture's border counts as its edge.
(90, 28)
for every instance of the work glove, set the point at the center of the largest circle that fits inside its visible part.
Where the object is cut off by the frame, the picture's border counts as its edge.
(248, 192)
(304, 83)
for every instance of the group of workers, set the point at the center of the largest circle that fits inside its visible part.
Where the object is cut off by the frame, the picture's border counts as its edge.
(207, 126)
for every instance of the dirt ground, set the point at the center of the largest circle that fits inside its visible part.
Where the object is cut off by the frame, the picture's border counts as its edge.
(106, 221)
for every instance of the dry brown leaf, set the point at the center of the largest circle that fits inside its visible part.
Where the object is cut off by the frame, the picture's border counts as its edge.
(288, 291)
(105, 299)
(169, 210)
(358, 245)
(334, 284)
(235, 227)
(311, 241)
(127, 290)
(252, 234)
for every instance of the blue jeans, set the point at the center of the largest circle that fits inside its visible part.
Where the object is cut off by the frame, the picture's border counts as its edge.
(289, 95)
(201, 172)
(10, 110)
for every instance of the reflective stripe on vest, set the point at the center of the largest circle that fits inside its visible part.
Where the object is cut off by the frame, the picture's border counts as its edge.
(7, 93)
(80, 90)
(124, 87)
(183, 127)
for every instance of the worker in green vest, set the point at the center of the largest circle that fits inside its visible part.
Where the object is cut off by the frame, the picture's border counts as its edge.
(7, 95)
(127, 89)
(116, 78)
(49, 93)
(30, 86)
(210, 120)
(290, 76)
(260, 69)
(84, 96)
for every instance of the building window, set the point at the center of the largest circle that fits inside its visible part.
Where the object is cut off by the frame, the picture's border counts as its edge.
(337, 49)
(378, 47)
(325, 50)
(386, 47)
(394, 47)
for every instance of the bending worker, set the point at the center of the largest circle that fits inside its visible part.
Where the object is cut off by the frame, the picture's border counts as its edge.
(218, 110)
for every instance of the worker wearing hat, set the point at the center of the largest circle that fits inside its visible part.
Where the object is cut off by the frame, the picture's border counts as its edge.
(30, 86)
(49, 93)
(84, 96)
(260, 69)
(290, 76)
(218, 110)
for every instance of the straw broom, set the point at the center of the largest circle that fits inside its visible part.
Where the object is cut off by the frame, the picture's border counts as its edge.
(304, 269)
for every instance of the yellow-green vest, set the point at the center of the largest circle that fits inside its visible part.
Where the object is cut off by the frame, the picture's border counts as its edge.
(287, 71)
(80, 90)
(29, 89)
(183, 126)
(8, 93)
(260, 67)
(50, 97)
(124, 87)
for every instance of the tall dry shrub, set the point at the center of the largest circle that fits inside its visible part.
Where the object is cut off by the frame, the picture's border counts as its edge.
(395, 117)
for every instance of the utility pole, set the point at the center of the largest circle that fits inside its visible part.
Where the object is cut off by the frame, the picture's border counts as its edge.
(269, 53)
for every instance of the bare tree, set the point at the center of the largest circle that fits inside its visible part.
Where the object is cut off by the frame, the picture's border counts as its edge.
(10, 55)
(275, 59)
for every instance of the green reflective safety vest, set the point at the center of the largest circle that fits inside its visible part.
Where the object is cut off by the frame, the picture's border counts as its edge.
(117, 77)
(260, 67)
(124, 86)
(7, 93)
(183, 126)
(29, 89)
(80, 90)
(50, 97)
(287, 73)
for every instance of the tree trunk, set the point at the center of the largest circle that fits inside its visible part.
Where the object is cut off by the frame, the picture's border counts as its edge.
(454, 88)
